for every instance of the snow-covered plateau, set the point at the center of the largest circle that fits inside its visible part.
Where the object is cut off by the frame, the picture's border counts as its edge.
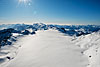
(48, 45)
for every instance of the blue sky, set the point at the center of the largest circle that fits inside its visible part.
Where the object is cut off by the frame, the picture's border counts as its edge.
(51, 11)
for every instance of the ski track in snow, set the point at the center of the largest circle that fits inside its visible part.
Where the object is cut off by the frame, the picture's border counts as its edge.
(48, 49)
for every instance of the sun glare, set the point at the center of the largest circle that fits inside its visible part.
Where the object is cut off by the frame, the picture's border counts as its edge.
(26, 2)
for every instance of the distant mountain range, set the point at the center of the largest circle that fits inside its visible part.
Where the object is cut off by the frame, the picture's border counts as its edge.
(7, 30)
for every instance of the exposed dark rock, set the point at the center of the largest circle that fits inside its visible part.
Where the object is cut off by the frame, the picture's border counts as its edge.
(8, 57)
(26, 32)
(33, 32)
(89, 56)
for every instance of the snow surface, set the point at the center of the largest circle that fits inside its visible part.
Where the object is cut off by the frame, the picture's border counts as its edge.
(47, 49)
(91, 44)
(10, 50)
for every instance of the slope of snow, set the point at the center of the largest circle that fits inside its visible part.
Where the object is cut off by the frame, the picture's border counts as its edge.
(91, 44)
(8, 52)
(48, 49)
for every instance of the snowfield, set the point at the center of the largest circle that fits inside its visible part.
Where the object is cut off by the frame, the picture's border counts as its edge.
(47, 50)
(41, 45)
